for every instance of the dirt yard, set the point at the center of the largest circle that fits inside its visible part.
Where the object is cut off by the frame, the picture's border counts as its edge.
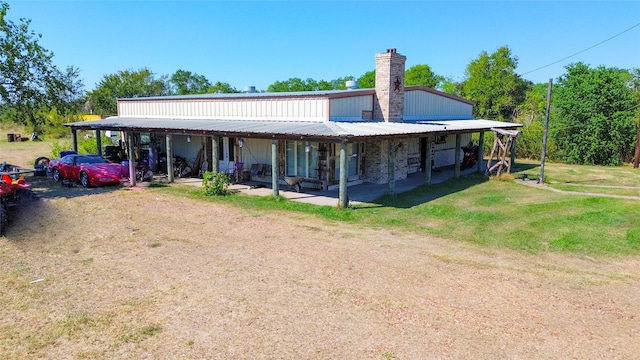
(117, 273)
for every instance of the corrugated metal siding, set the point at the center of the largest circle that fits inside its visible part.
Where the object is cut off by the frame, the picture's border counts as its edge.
(188, 150)
(350, 108)
(451, 142)
(444, 154)
(269, 109)
(421, 103)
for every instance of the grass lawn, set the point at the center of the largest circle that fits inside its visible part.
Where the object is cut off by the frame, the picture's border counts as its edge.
(501, 213)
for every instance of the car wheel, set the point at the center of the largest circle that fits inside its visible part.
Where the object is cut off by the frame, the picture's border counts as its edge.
(84, 179)
(56, 174)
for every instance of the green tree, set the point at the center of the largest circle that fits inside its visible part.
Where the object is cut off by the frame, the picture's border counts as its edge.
(28, 79)
(67, 91)
(422, 75)
(595, 122)
(341, 83)
(125, 84)
(293, 84)
(531, 114)
(367, 80)
(491, 82)
(184, 82)
(451, 86)
(297, 84)
(222, 87)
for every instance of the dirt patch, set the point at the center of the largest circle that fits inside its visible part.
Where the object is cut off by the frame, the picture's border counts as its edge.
(113, 273)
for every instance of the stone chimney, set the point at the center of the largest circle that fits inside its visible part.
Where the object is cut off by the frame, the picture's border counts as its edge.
(389, 102)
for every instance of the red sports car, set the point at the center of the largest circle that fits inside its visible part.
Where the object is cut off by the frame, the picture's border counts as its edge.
(89, 169)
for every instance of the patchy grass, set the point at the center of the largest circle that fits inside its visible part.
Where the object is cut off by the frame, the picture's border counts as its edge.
(493, 213)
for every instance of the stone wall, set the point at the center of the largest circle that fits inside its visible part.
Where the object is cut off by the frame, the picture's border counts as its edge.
(377, 161)
(389, 100)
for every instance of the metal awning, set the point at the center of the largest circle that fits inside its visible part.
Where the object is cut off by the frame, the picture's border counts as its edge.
(326, 131)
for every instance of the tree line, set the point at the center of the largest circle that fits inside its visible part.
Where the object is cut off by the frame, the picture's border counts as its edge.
(594, 116)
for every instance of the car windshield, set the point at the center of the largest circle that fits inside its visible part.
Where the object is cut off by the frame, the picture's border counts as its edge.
(90, 160)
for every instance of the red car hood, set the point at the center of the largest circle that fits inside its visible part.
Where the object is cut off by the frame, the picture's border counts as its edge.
(111, 169)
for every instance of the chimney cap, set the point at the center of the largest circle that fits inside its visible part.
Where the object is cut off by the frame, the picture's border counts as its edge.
(391, 50)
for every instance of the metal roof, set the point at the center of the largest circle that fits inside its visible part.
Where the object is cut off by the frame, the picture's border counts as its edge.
(303, 130)
(296, 94)
(227, 96)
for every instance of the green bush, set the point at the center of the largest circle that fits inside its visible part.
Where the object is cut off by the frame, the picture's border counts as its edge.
(215, 184)
(85, 145)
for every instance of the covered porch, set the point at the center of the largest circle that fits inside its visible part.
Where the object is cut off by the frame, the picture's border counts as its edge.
(342, 134)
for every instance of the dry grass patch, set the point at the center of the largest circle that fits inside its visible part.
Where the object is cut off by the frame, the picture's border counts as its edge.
(234, 285)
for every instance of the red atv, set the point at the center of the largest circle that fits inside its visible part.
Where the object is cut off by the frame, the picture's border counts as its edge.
(12, 191)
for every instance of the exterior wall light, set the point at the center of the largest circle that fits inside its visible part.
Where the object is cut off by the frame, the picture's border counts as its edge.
(240, 142)
(188, 138)
(307, 147)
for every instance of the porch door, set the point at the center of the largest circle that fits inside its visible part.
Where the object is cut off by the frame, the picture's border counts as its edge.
(225, 152)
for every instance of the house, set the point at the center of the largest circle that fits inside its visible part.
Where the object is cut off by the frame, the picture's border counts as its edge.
(329, 138)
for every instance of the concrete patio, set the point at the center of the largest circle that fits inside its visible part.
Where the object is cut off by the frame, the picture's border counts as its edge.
(362, 193)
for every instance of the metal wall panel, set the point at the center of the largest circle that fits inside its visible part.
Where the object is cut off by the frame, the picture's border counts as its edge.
(421, 103)
(350, 107)
(268, 109)
(256, 151)
(444, 154)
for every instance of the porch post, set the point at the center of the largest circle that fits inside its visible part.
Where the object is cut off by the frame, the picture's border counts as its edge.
(391, 167)
(132, 159)
(74, 135)
(480, 151)
(343, 199)
(169, 143)
(428, 161)
(513, 151)
(215, 164)
(98, 142)
(274, 167)
(456, 168)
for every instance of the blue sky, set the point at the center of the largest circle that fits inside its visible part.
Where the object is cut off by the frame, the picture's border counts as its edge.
(259, 42)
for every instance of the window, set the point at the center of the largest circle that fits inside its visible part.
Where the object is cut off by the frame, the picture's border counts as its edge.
(302, 159)
(353, 159)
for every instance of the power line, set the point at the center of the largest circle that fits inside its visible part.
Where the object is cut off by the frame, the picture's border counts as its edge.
(580, 52)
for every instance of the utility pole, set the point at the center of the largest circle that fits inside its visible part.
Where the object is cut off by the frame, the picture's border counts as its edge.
(546, 131)
(636, 160)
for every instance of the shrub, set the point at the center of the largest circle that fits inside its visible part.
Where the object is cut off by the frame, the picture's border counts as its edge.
(85, 145)
(215, 184)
